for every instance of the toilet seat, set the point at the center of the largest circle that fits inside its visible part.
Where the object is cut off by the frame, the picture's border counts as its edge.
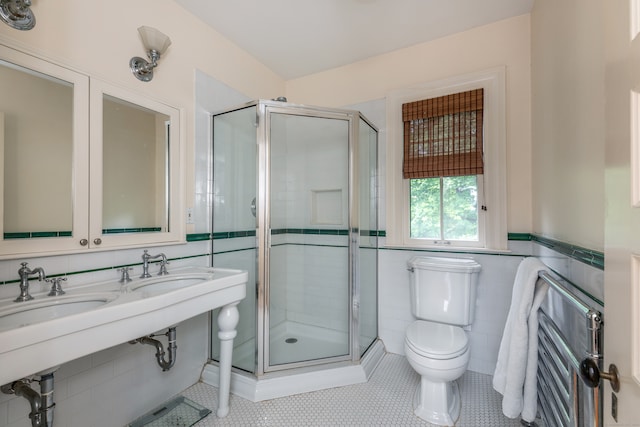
(436, 340)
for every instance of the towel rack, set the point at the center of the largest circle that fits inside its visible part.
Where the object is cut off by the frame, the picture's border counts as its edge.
(593, 317)
(570, 330)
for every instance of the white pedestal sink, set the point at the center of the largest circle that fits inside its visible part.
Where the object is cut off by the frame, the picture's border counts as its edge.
(50, 331)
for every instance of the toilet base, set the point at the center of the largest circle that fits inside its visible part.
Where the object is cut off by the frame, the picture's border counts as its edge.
(437, 402)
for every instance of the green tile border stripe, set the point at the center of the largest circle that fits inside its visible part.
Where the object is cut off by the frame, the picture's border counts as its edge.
(587, 256)
(198, 237)
(317, 231)
(519, 236)
(307, 244)
(233, 234)
(44, 234)
(584, 255)
(131, 230)
(113, 267)
(36, 234)
(275, 231)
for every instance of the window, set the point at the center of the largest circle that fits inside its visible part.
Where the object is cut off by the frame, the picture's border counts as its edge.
(446, 181)
(442, 160)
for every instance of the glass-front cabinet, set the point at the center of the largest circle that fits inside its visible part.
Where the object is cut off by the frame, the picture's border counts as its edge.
(85, 165)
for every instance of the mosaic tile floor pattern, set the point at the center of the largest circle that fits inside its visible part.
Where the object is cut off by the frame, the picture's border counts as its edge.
(383, 401)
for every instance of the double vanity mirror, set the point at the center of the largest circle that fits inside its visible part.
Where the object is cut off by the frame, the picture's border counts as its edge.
(85, 165)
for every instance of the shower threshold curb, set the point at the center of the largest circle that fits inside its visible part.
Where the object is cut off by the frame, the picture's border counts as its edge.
(251, 388)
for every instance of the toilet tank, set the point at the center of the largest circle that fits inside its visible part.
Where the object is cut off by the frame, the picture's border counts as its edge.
(443, 289)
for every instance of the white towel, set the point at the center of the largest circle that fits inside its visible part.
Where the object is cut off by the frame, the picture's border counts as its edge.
(516, 369)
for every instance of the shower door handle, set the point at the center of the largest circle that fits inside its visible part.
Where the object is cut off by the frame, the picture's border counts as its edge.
(253, 207)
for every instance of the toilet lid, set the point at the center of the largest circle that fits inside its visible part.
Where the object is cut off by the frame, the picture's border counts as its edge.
(436, 340)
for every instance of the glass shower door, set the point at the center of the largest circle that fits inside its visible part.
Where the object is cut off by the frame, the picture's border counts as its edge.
(234, 221)
(368, 241)
(309, 294)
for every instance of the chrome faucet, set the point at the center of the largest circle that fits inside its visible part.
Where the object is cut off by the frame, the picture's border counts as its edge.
(145, 264)
(24, 272)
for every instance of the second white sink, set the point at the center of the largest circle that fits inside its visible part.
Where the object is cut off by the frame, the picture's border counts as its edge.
(171, 282)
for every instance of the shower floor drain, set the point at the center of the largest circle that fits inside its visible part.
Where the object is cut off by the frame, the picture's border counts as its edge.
(291, 340)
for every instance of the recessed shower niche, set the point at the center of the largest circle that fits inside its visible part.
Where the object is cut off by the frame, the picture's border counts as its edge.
(310, 241)
(327, 207)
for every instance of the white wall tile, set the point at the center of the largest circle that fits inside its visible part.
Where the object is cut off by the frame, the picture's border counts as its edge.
(495, 283)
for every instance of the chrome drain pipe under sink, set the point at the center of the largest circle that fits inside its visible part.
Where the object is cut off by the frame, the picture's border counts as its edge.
(42, 404)
(160, 353)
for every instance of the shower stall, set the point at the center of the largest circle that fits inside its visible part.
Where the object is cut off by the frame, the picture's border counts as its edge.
(295, 204)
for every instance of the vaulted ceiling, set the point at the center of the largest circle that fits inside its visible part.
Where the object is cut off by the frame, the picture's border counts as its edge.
(295, 38)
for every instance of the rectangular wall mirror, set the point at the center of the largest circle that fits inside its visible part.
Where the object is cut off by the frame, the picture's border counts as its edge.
(44, 132)
(135, 146)
(37, 144)
(135, 166)
(84, 164)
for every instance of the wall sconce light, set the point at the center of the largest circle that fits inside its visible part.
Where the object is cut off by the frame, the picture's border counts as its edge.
(156, 44)
(16, 14)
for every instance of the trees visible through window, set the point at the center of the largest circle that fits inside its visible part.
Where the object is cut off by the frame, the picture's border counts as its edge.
(444, 208)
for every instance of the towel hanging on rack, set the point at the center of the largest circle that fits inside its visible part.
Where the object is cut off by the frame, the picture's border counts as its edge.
(516, 369)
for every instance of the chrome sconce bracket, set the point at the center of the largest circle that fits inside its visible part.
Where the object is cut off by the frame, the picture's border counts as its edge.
(17, 14)
(143, 69)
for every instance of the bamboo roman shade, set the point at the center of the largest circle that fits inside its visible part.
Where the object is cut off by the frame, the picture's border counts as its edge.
(443, 136)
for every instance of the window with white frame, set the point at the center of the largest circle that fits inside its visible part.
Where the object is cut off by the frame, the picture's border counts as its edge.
(446, 183)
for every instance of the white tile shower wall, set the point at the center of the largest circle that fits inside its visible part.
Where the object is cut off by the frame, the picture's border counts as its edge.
(234, 168)
(302, 162)
(116, 385)
(376, 112)
(212, 96)
(495, 283)
(316, 286)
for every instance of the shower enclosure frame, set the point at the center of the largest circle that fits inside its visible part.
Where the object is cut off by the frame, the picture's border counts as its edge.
(264, 110)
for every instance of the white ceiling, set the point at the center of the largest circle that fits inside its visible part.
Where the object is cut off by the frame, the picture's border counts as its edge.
(295, 38)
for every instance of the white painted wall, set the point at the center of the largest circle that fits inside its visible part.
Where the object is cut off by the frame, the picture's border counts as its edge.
(505, 43)
(567, 114)
(99, 39)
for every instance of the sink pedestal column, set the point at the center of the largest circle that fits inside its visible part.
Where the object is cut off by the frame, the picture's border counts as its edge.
(227, 322)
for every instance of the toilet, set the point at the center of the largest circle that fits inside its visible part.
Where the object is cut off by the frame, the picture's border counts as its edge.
(443, 294)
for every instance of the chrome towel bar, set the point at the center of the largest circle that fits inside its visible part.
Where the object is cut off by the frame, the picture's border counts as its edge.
(593, 317)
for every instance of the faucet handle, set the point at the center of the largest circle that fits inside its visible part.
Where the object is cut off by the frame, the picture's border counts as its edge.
(23, 268)
(124, 277)
(163, 266)
(56, 288)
